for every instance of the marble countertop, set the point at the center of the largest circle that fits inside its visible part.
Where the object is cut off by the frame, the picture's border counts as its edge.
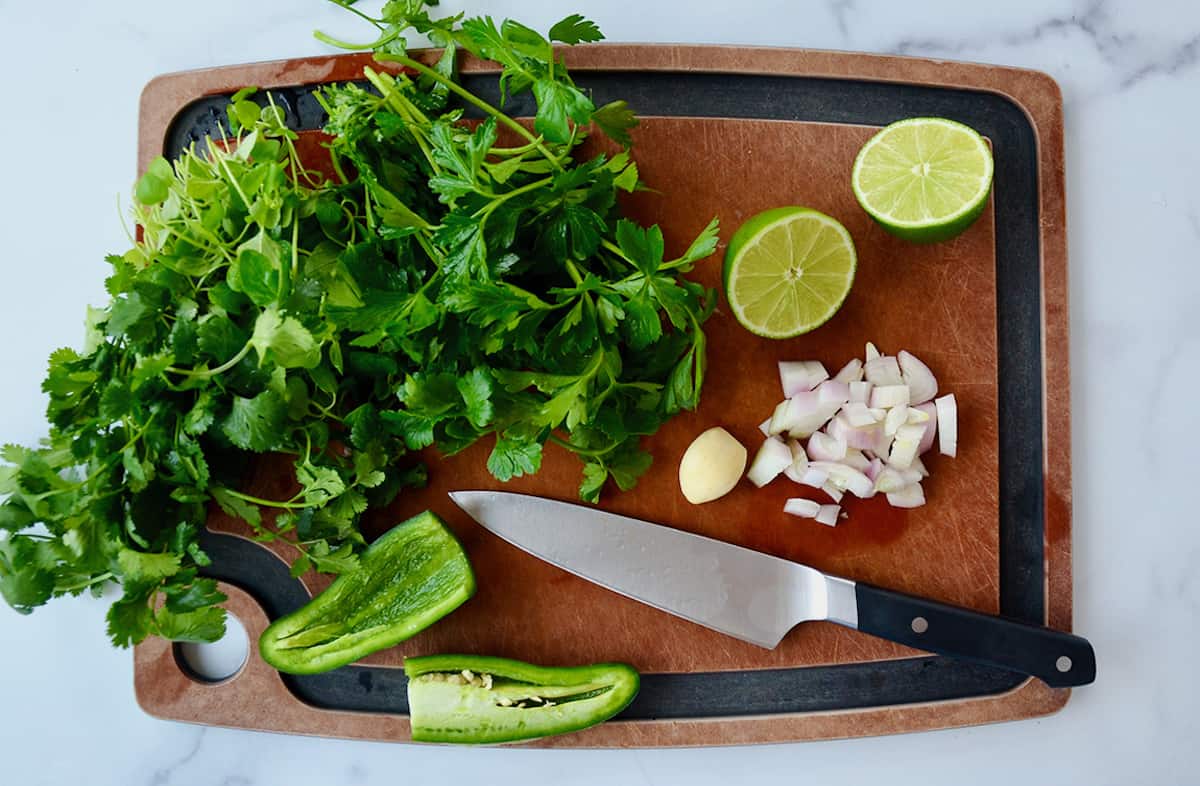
(1130, 73)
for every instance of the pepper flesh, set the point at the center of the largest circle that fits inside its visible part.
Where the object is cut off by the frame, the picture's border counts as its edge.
(477, 699)
(407, 580)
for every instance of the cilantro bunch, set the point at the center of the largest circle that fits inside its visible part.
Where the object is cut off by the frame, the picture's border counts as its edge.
(455, 280)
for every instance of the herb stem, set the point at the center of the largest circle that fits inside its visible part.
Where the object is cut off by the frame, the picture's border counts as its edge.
(266, 503)
(212, 372)
(474, 100)
(103, 577)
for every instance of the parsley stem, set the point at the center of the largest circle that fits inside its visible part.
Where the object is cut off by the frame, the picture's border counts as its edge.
(474, 100)
(500, 199)
(594, 453)
(212, 372)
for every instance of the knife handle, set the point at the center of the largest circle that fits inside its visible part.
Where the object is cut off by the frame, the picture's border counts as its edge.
(1058, 659)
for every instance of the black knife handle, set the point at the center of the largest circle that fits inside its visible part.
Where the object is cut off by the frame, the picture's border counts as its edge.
(1058, 659)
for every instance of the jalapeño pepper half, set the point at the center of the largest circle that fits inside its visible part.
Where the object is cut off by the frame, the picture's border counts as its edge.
(407, 580)
(477, 699)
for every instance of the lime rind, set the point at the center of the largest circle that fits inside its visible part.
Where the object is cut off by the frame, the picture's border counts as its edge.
(978, 168)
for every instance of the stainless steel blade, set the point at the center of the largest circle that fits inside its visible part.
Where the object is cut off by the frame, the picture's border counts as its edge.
(743, 593)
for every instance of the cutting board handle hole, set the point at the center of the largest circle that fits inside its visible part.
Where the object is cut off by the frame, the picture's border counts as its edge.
(219, 661)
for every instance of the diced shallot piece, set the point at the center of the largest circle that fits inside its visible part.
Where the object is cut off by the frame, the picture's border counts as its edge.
(860, 392)
(889, 480)
(904, 449)
(896, 417)
(890, 396)
(873, 469)
(911, 496)
(772, 458)
(930, 426)
(851, 372)
(872, 352)
(915, 416)
(765, 427)
(804, 508)
(854, 437)
(797, 376)
(822, 447)
(833, 491)
(883, 370)
(947, 418)
(828, 515)
(795, 471)
(833, 393)
(855, 458)
(918, 377)
(814, 477)
(919, 466)
(846, 478)
(858, 415)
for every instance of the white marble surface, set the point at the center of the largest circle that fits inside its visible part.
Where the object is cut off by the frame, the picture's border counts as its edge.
(1131, 79)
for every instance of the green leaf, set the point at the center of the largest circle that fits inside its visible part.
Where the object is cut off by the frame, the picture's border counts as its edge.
(130, 619)
(416, 430)
(143, 567)
(557, 103)
(23, 584)
(704, 245)
(201, 415)
(207, 624)
(195, 595)
(255, 270)
(514, 458)
(148, 367)
(476, 389)
(594, 477)
(319, 484)
(643, 246)
(643, 325)
(137, 473)
(255, 423)
(575, 30)
(616, 120)
(288, 343)
(237, 507)
(155, 185)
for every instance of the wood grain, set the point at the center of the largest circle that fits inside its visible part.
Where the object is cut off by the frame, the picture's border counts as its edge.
(936, 301)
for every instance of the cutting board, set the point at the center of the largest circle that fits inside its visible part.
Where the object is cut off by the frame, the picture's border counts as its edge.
(728, 132)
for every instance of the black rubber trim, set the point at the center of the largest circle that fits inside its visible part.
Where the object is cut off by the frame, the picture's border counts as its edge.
(1018, 306)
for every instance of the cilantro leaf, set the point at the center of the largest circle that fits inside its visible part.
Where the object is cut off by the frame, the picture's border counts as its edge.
(287, 342)
(255, 423)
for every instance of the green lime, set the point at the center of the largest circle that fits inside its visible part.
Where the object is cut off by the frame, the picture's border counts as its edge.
(788, 270)
(924, 179)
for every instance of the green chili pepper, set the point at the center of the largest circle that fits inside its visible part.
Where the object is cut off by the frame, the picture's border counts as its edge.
(478, 699)
(407, 580)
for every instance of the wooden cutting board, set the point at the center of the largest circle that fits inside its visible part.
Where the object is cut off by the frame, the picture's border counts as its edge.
(728, 132)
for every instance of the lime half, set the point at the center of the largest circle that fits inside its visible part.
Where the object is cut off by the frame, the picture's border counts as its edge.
(925, 179)
(788, 270)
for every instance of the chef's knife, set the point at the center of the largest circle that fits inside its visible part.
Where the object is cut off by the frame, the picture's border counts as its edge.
(757, 597)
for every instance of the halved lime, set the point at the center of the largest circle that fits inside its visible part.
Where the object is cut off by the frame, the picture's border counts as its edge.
(788, 270)
(924, 179)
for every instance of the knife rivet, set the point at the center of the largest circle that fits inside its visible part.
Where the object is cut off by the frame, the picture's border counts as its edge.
(920, 624)
(1063, 664)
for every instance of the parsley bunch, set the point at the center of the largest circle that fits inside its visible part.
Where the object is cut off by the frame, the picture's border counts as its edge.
(455, 281)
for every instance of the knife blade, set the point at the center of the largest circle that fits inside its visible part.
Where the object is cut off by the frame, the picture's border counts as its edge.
(758, 597)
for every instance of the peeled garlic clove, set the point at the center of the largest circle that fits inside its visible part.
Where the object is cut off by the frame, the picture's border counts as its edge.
(711, 466)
